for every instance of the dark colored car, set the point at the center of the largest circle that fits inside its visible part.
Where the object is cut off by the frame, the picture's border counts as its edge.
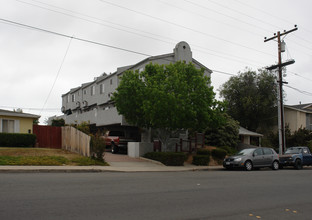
(253, 158)
(297, 157)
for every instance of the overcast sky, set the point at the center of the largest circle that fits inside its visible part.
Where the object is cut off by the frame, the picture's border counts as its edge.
(226, 36)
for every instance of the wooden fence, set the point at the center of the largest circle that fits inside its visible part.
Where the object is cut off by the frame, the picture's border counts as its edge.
(48, 136)
(191, 144)
(75, 141)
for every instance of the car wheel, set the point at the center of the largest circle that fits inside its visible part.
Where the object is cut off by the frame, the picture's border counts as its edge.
(248, 165)
(298, 164)
(275, 165)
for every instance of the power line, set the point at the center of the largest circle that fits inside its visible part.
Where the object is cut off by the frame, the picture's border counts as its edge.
(76, 38)
(58, 73)
(247, 15)
(299, 90)
(95, 22)
(296, 74)
(257, 19)
(272, 15)
(184, 27)
(229, 56)
(208, 18)
(226, 15)
(110, 46)
(31, 109)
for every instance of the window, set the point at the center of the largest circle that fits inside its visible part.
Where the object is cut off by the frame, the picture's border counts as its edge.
(267, 151)
(102, 88)
(258, 152)
(67, 99)
(92, 90)
(73, 98)
(111, 81)
(85, 92)
(7, 126)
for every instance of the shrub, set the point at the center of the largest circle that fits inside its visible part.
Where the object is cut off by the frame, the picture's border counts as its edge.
(229, 150)
(58, 122)
(203, 151)
(97, 146)
(17, 140)
(167, 158)
(218, 153)
(201, 160)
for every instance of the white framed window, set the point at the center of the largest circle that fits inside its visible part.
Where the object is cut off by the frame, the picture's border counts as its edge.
(111, 81)
(102, 88)
(85, 92)
(9, 126)
(92, 90)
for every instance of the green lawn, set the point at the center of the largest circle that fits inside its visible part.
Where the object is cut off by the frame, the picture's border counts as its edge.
(44, 157)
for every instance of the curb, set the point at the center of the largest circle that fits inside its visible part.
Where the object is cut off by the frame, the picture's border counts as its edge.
(62, 169)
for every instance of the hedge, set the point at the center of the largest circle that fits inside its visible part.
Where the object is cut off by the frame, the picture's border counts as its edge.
(201, 160)
(203, 151)
(17, 140)
(218, 153)
(167, 158)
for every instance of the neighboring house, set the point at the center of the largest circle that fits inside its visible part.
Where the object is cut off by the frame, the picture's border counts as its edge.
(245, 137)
(91, 102)
(298, 116)
(16, 122)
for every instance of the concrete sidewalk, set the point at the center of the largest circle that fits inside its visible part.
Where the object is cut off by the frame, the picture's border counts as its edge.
(115, 167)
(118, 163)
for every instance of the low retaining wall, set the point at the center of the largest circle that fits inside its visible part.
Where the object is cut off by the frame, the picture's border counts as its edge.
(138, 149)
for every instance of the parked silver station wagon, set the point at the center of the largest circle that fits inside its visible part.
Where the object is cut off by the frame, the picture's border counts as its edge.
(253, 158)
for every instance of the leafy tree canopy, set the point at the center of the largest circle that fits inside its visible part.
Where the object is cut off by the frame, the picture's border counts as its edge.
(224, 135)
(168, 97)
(251, 99)
(58, 122)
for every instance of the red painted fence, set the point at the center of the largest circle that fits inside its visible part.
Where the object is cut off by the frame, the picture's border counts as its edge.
(48, 136)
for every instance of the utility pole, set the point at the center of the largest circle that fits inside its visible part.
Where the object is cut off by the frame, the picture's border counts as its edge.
(280, 65)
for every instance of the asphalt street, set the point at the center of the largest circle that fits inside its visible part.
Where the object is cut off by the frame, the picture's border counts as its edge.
(263, 194)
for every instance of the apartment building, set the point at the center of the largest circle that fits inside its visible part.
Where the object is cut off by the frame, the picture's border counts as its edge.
(91, 102)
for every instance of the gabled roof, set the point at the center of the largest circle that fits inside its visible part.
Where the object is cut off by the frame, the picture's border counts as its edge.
(245, 132)
(159, 57)
(17, 114)
(307, 108)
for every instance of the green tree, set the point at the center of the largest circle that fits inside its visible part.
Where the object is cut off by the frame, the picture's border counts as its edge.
(58, 122)
(224, 135)
(167, 98)
(251, 99)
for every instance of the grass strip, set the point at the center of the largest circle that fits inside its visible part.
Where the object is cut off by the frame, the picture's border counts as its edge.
(33, 160)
